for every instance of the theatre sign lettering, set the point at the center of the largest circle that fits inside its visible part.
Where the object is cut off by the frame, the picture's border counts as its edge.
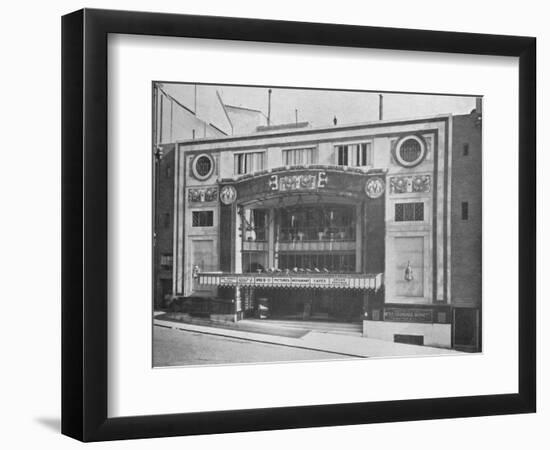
(305, 181)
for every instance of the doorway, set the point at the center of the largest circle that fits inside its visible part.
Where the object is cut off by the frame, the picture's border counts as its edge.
(466, 330)
(331, 305)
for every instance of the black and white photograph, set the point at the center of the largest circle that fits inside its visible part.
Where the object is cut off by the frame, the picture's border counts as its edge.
(301, 224)
(275, 225)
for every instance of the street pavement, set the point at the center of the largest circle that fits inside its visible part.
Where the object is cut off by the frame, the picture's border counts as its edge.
(214, 345)
(172, 347)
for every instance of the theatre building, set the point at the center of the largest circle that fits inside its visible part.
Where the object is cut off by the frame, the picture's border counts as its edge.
(355, 223)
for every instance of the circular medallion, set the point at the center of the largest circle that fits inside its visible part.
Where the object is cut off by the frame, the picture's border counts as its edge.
(374, 187)
(228, 195)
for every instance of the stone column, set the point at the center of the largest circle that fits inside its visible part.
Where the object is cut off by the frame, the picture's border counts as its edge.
(238, 239)
(366, 296)
(359, 237)
(365, 313)
(271, 239)
(238, 309)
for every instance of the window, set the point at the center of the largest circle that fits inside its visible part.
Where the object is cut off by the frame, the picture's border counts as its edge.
(252, 262)
(464, 210)
(166, 261)
(407, 212)
(203, 218)
(465, 149)
(168, 172)
(357, 155)
(300, 156)
(203, 166)
(342, 155)
(255, 223)
(316, 224)
(410, 151)
(249, 162)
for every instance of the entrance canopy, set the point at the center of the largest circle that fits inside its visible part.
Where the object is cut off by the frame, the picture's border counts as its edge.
(358, 281)
(338, 182)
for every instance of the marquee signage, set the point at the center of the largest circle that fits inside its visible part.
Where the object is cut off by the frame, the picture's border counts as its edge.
(304, 181)
(336, 281)
(260, 281)
(225, 280)
(278, 281)
(300, 282)
(245, 280)
(320, 282)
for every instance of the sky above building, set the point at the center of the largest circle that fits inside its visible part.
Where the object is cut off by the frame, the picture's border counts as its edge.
(318, 107)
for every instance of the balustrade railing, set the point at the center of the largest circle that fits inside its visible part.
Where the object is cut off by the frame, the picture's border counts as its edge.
(316, 234)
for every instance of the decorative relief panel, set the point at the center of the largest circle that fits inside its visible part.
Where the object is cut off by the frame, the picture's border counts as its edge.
(410, 184)
(201, 195)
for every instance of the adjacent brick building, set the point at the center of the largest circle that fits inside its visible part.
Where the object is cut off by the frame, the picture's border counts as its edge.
(466, 229)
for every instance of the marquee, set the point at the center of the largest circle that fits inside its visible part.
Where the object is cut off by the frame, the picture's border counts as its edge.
(365, 282)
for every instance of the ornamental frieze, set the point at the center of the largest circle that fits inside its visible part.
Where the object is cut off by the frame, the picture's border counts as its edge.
(410, 184)
(200, 195)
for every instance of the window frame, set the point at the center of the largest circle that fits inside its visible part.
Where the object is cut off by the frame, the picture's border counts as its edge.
(414, 203)
(166, 219)
(198, 211)
(423, 151)
(464, 211)
(194, 166)
(315, 155)
(166, 260)
(369, 156)
(246, 152)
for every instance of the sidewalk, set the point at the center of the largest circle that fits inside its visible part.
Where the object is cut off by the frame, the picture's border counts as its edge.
(353, 346)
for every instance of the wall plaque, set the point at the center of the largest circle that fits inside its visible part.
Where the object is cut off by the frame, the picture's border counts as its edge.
(408, 315)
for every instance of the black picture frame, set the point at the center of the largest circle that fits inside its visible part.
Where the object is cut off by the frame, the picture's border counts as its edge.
(84, 224)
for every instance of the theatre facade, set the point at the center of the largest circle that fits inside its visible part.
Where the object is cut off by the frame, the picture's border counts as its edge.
(345, 223)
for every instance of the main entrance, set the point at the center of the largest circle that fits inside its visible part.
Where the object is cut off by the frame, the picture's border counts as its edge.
(312, 304)
(293, 245)
(311, 297)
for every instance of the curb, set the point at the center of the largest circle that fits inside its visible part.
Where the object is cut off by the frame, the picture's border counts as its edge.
(245, 338)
